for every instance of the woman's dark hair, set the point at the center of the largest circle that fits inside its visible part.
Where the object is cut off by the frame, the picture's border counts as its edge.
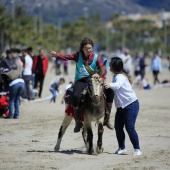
(8, 52)
(30, 49)
(116, 66)
(84, 42)
(25, 50)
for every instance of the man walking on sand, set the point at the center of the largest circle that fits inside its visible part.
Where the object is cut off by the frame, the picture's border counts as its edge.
(40, 66)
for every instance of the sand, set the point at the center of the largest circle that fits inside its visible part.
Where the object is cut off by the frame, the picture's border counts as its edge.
(28, 143)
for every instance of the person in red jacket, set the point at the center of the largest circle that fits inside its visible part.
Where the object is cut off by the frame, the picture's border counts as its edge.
(39, 68)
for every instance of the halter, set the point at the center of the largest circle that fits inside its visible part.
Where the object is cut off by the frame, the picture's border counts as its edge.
(96, 78)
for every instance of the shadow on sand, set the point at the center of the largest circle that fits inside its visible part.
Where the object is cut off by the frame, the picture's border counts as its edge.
(68, 152)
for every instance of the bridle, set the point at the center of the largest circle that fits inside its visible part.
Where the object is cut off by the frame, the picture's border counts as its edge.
(96, 79)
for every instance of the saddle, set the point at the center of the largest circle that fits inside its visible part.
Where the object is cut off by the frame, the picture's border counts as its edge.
(69, 96)
(70, 112)
(69, 99)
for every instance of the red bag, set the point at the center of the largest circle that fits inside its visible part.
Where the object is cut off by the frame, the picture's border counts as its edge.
(4, 104)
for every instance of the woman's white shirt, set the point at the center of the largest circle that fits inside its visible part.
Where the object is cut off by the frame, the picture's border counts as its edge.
(123, 93)
(28, 65)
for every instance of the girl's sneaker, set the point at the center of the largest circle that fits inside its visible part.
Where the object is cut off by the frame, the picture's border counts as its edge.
(137, 152)
(120, 151)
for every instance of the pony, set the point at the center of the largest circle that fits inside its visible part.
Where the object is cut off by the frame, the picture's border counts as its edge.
(93, 110)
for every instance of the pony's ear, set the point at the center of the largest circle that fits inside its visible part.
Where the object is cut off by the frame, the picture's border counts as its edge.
(103, 68)
(89, 70)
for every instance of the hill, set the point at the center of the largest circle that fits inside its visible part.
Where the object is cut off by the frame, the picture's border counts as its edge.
(70, 10)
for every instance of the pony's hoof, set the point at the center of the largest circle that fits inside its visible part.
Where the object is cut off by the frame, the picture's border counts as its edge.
(90, 152)
(56, 149)
(99, 150)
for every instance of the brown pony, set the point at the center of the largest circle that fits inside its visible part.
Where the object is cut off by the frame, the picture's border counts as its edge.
(93, 111)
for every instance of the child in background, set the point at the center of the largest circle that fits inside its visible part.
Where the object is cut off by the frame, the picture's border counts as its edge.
(65, 67)
(54, 88)
(127, 105)
(145, 85)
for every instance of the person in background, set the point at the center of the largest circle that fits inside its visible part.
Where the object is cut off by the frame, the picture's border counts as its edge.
(156, 67)
(136, 63)
(16, 88)
(58, 66)
(104, 58)
(137, 70)
(143, 65)
(128, 62)
(127, 105)
(40, 66)
(54, 89)
(22, 57)
(27, 73)
(85, 53)
(30, 52)
(144, 84)
(8, 64)
(168, 58)
(65, 66)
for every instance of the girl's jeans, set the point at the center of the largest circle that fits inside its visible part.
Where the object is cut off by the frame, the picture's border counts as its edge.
(15, 92)
(127, 117)
(54, 93)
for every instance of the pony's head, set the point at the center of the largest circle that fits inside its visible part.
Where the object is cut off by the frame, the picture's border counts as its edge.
(96, 81)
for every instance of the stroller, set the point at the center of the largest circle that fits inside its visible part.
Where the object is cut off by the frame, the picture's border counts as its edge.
(4, 104)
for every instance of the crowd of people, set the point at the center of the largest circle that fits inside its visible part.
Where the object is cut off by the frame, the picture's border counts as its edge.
(22, 76)
(20, 68)
(136, 67)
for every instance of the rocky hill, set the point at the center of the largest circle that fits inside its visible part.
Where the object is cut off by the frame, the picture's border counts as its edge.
(69, 10)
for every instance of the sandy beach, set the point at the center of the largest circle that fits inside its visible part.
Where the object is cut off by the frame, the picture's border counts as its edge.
(28, 142)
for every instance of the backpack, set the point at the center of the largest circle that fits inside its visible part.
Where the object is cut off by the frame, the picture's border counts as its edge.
(14, 73)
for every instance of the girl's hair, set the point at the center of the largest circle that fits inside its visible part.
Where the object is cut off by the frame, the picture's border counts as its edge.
(116, 66)
(84, 42)
(62, 79)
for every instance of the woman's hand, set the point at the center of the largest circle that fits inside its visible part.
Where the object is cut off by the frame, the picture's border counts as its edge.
(53, 53)
(106, 85)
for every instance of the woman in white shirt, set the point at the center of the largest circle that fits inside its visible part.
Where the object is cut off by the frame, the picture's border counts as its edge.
(27, 73)
(127, 106)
